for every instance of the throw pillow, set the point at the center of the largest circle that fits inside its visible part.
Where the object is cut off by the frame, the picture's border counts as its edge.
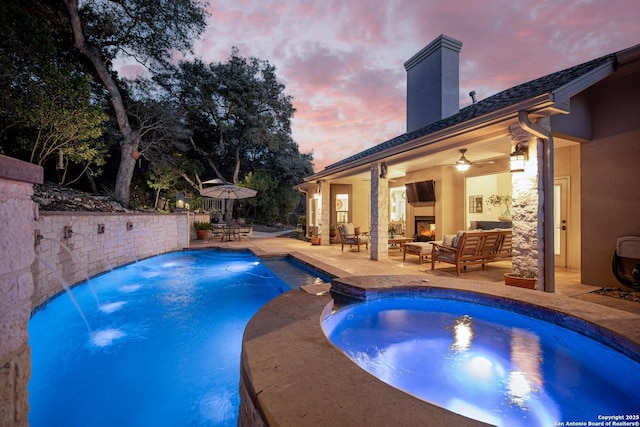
(456, 239)
(447, 239)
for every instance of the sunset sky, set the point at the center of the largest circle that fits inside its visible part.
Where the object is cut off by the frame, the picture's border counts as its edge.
(342, 60)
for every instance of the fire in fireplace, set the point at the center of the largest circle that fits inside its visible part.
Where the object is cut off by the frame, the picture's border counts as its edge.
(425, 228)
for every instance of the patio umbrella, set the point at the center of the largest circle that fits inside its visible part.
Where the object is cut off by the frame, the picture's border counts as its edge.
(228, 191)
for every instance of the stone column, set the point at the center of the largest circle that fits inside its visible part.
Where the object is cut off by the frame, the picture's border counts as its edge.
(17, 220)
(527, 208)
(325, 214)
(379, 214)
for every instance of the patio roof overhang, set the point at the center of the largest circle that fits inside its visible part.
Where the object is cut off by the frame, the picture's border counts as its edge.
(443, 145)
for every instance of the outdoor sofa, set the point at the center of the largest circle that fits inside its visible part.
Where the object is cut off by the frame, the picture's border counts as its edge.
(473, 247)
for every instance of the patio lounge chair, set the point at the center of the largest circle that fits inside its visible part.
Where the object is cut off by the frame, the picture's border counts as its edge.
(350, 236)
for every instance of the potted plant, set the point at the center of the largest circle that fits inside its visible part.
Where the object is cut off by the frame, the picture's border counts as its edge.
(315, 239)
(203, 229)
(499, 199)
(527, 279)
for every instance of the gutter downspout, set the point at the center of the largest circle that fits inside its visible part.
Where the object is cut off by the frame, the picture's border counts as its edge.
(547, 188)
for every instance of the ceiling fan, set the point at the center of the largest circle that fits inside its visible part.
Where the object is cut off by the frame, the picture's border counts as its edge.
(463, 164)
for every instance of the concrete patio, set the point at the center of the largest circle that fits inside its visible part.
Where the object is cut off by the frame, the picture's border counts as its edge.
(353, 263)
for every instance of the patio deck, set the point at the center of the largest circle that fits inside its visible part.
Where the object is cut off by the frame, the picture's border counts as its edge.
(358, 263)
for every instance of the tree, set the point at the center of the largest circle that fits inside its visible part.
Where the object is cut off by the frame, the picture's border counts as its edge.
(47, 107)
(149, 31)
(161, 177)
(241, 102)
(241, 121)
(63, 121)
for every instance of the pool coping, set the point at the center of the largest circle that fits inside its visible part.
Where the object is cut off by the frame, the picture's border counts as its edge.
(291, 374)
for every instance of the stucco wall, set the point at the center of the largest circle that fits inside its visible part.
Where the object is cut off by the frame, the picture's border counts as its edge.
(610, 174)
(86, 252)
(360, 207)
(567, 165)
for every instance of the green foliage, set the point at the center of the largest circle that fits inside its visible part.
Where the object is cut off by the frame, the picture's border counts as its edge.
(46, 107)
(201, 225)
(525, 273)
(240, 108)
(57, 116)
(148, 30)
(225, 120)
(273, 203)
(499, 199)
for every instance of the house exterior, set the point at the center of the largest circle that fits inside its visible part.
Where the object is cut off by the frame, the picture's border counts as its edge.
(579, 189)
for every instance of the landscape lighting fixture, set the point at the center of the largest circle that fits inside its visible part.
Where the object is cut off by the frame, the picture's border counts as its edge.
(518, 158)
(463, 164)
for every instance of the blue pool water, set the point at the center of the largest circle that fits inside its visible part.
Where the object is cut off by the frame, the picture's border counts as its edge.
(487, 363)
(164, 347)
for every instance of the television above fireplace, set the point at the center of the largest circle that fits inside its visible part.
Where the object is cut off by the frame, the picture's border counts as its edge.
(421, 192)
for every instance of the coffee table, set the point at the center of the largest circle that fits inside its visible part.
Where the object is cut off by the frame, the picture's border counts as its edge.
(422, 249)
(398, 242)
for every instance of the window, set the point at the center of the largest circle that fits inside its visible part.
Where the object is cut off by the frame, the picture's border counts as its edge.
(342, 208)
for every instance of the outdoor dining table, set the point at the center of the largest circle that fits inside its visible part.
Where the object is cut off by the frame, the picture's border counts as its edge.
(227, 231)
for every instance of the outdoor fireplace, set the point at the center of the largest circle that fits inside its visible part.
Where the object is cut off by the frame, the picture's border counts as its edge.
(425, 228)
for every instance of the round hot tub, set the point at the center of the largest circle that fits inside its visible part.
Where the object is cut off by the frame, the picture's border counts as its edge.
(292, 374)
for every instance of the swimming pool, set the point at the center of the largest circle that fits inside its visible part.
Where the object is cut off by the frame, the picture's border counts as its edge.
(164, 346)
(486, 363)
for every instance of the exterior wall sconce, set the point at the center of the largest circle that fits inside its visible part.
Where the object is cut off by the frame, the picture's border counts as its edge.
(100, 228)
(129, 225)
(67, 232)
(463, 164)
(383, 170)
(519, 158)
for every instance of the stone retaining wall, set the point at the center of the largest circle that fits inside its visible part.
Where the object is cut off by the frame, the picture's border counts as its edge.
(16, 286)
(86, 251)
(37, 252)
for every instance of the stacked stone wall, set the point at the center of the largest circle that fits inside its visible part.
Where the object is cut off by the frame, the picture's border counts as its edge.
(527, 208)
(85, 252)
(379, 215)
(36, 254)
(16, 286)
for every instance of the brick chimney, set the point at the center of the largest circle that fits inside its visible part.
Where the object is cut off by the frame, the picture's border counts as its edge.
(433, 83)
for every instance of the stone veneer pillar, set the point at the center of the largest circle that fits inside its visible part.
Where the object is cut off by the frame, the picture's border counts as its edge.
(17, 218)
(325, 218)
(527, 208)
(379, 215)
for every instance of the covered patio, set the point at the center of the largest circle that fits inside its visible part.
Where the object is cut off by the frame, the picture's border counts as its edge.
(331, 259)
(554, 149)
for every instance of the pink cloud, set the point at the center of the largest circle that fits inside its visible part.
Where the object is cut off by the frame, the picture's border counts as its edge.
(343, 61)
